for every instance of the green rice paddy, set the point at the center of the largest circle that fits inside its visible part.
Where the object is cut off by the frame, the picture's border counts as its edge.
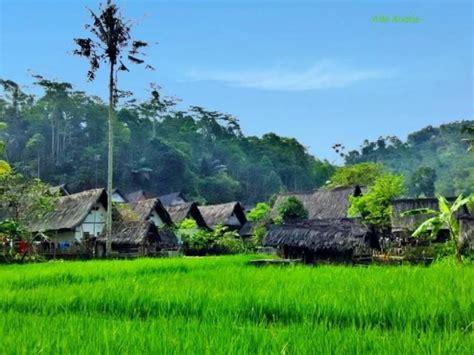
(222, 305)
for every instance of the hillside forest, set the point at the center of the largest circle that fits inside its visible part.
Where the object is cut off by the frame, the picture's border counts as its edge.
(59, 136)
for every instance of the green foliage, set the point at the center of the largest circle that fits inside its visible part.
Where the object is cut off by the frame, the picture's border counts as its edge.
(62, 135)
(4, 166)
(260, 212)
(292, 208)
(362, 174)
(188, 224)
(219, 305)
(375, 206)
(221, 240)
(442, 149)
(422, 182)
(445, 217)
(25, 198)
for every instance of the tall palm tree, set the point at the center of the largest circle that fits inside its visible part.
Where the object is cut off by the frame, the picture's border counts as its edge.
(111, 45)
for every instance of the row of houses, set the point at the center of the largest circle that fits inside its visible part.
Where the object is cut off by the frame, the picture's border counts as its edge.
(329, 233)
(145, 226)
(141, 225)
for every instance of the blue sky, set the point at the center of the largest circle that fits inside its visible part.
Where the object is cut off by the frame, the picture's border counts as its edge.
(320, 71)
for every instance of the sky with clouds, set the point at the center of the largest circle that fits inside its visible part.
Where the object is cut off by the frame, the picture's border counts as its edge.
(321, 71)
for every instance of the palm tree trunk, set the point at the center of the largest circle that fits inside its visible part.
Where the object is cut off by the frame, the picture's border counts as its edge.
(108, 222)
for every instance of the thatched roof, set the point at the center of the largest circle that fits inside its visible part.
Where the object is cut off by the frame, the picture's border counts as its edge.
(411, 223)
(172, 199)
(143, 209)
(188, 210)
(70, 211)
(222, 214)
(323, 203)
(323, 235)
(136, 196)
(138, 232)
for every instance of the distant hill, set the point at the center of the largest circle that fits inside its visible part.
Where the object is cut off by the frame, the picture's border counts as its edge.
(441, 149)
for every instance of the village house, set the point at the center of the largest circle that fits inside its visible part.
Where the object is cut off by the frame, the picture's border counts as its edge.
(150, 210)
(323, 203)
(188, 210)
(74, 218)
(322, 239)
(229, 214)
(142, 228)
(173, 199)
(139, 238)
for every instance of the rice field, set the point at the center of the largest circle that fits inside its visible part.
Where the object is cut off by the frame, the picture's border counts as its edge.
(222, 305)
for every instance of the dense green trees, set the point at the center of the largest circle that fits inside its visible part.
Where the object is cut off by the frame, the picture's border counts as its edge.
(441, 149)
(61, 137)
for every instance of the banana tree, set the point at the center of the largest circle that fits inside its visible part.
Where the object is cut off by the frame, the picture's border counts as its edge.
(446, 217)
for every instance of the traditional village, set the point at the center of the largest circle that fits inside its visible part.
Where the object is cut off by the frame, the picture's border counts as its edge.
(149, 226)
(236, 177)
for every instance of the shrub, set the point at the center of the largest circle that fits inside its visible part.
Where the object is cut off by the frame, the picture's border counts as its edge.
(292, 208)
(219, 241)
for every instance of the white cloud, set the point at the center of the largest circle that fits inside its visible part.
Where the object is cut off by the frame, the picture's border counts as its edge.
(322, 75)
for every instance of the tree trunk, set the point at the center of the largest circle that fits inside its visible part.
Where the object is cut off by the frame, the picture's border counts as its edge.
(108, 222)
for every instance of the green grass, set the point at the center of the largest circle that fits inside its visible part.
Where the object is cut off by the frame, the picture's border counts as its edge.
(222, 305)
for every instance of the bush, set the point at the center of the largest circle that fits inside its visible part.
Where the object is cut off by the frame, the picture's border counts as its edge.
(221, 240)
(292, 208)
(260, 212)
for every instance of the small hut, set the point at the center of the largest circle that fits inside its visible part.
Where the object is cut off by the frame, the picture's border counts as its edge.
(140, 238)
(187, 210)
(322, 239)
(136, 196)
(229, 214)
(151, 209)
(404, 226)
(323, 203)
(74, 217)
(173, 199)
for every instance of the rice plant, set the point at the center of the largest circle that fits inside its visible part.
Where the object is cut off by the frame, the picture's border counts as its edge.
(224, 305)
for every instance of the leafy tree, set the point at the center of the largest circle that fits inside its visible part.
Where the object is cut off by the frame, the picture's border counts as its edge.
(4, 166)
(363, 174)
(25, 198)
(422, 182)
(260, 212)
(375, 206)
(445, 216)
(112, 41)
(292, 208)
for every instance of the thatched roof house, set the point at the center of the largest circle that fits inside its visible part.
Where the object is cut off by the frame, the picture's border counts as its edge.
(315, 239)
(75, 216)
(151, 209)
(323, 203)
(408, 224)
(140, 238)
(187, 210)
(136, 196)
(173, 199)
(229, 214)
